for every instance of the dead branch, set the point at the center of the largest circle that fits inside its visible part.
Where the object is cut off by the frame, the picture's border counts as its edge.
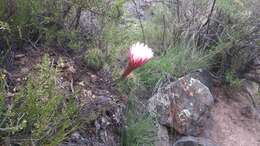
(140, 21)
(210, 14)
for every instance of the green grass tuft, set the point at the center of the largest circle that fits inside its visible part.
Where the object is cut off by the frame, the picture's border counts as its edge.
(94, 59)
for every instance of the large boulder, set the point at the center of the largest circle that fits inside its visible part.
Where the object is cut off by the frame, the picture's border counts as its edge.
(183, 105)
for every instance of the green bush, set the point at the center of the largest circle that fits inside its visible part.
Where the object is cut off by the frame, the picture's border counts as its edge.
(240, 29)
(234, 8)
(29, 22)
(39, 114)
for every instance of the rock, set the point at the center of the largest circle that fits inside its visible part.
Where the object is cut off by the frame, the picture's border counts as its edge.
(204, 76)
(251, 90)
(25, 70)
(193, 141)
(9, 94)
(102, 124)
(76, 135)
(140, 9)
(254, 71)
(183, 105)
(19, 56)
(251, 87)
(162, 136)
(247, 112)
(89, 24)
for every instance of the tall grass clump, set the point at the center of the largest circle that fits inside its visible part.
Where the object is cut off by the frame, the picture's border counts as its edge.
(176, 62)
(94, 59)
(140, 127)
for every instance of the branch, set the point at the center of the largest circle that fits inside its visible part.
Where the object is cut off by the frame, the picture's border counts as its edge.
(140, 21)
(210, 14)
(164, 32)
(178, 10)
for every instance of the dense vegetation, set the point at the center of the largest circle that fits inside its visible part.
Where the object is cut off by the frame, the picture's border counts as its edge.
(220, 36)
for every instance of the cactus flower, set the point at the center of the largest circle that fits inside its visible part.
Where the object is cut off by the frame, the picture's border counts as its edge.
(138, 55)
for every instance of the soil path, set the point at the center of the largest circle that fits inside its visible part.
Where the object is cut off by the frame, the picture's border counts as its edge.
(230, 127)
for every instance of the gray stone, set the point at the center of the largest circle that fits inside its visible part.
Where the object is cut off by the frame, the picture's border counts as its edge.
(183, 105)
(139, 9)
(25, 70)
(251, 87)
(251, 90)
(254, 71)
(204, 76)
(193, 141)
(162, 136)
(89, 24)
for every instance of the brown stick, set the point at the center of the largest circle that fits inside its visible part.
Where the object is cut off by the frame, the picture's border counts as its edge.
(210, 14)
(140, 21)
(178, 10)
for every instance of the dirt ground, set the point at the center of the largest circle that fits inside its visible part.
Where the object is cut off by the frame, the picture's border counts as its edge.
(233, 124)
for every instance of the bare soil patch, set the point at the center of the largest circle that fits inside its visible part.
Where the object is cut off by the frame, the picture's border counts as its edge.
(230, 127)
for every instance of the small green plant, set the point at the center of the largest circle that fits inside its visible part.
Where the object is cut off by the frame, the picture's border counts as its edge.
(234, 8)
(94, 59)
(140, 127)
(139, 132)
(232, 80)
(39, 114)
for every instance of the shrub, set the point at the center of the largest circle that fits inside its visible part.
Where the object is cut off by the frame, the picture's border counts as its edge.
(238, 40)
(39, 114)
(235, 9)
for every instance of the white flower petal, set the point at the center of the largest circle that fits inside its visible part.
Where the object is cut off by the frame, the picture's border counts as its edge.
(140, 51)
